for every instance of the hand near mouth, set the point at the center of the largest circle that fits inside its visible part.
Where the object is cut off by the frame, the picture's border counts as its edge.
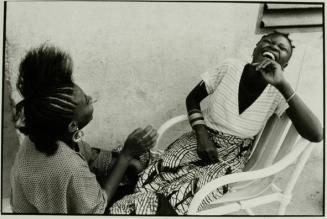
(271, 71)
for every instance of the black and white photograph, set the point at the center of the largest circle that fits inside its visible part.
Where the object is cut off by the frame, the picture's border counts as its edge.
(163, 108)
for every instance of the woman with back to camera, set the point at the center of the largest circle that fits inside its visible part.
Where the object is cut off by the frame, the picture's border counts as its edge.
(52, 169)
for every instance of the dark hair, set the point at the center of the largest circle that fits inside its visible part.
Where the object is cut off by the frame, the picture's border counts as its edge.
(41, 72)
(285, 35)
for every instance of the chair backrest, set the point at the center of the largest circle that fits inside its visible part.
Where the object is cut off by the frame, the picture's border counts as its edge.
(276, 134)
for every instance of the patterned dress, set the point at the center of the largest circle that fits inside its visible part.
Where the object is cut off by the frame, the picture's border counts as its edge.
(179, 173)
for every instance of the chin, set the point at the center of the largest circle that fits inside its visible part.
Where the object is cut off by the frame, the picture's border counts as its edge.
(81, 126)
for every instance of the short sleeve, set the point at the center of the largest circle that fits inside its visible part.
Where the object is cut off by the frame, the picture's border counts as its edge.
(88, 153)
(85, 195)
(213, 76)
(282, 105)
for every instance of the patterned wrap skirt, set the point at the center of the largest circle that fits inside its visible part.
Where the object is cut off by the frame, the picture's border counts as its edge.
(179, 173)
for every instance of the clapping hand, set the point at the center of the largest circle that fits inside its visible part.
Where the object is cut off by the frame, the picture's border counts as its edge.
(139, 141)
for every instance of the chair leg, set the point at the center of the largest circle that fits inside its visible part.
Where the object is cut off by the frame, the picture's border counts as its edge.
(249, 211)
(287, 194)
(285, 200)
(282, 208)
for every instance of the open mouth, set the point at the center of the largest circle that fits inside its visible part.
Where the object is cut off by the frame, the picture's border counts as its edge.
(269, 55)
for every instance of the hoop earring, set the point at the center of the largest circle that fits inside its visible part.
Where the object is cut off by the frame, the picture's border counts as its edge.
(72, 127)
(77, 136)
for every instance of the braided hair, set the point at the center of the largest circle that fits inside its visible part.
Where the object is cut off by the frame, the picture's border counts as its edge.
(43, 73)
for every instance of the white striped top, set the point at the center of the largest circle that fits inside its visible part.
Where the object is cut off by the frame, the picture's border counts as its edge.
(222, 113)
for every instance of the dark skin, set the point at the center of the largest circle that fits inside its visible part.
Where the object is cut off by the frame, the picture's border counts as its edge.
(254, 79)
(75, 104)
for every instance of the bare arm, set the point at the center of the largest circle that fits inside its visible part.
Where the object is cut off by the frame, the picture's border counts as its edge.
(195, 97)
(305, 122)
(136, 143)
(116, 175)
(206, 148)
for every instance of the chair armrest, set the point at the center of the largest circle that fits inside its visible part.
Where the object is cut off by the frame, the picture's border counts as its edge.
(163, 128)
(301, 146)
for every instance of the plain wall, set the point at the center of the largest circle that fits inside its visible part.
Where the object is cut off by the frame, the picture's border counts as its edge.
(140, 60)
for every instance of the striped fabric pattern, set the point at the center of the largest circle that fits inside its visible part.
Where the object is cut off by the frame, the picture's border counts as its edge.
(136, 204)
(222, 114)
(180, 173)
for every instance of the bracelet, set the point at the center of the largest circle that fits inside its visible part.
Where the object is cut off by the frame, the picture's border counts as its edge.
(195, 116)
(198, 122)
(197, 119)
(288, 99)
(194, 111)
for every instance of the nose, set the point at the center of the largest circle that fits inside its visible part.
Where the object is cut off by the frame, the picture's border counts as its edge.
(91, 100)
(274, 46)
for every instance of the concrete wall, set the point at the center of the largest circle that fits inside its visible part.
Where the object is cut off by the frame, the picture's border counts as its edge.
(140, 60)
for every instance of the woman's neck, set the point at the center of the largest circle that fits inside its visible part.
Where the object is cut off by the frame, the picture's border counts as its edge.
(67, 139)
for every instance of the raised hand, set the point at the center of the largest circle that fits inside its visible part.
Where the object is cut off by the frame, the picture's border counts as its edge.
(139, 141)
(271, 71)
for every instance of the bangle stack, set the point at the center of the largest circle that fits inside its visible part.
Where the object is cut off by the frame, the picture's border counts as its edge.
(288, 99)
(195, 117)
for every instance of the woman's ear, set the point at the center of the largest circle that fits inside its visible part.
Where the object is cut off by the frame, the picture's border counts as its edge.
(72, 126)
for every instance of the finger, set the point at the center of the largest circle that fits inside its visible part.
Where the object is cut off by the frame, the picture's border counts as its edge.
(143, 132)
(148, 133)
(136, 131)
(148, 142)
(148, 136)
(153, 144)
(148, 128)
(151, 141)
(265, 64)
(262, 62)
(259, 66)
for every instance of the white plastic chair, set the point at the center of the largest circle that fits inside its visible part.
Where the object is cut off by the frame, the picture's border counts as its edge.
(276, 147)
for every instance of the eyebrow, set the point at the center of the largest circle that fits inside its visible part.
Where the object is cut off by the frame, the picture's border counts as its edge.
(279, 44)
(282, 45)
